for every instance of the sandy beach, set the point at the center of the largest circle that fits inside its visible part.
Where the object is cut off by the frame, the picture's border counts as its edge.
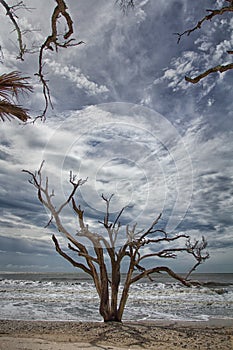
(41, 335)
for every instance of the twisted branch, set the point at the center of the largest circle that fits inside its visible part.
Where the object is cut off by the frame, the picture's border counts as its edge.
(10, 13)
(51, 43)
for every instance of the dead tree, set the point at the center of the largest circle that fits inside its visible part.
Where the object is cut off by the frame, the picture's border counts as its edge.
(103, 258)
(212, 14)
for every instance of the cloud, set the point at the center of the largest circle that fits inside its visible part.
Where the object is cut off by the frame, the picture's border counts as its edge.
(210, 212)
(178, 163)
(145, 163)
(74, 75)
(142, 162)
(181, 67)
(24, 246)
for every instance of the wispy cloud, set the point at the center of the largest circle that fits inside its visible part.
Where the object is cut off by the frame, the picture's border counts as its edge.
(75, 76)
(147, 165)
(179, 163)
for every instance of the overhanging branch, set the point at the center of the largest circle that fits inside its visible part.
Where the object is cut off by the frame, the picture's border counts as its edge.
(209, 17)
(52, 42)
(221, 67)
(9, 12)
(217, 69)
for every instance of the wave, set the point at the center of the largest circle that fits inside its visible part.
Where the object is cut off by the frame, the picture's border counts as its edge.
(76, 299)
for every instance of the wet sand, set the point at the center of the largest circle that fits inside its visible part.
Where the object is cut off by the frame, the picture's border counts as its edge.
(44, 335)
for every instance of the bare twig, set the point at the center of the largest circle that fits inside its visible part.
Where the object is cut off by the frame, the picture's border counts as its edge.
(151, 228)
(12, 16)
(106, 218)
(196, 249)
(209, 17)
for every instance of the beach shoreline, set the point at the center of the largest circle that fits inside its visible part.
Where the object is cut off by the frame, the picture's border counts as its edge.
(160, 335)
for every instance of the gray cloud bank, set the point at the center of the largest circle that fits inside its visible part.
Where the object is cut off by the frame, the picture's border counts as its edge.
(175, 157)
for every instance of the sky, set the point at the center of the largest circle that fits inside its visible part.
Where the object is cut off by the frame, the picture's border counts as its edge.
(125, 118)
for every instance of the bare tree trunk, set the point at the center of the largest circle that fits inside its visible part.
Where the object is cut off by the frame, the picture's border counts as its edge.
(127, 283)
(104, 294)
(116, 277)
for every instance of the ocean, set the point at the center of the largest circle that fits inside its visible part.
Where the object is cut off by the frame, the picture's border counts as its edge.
(72, 297)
